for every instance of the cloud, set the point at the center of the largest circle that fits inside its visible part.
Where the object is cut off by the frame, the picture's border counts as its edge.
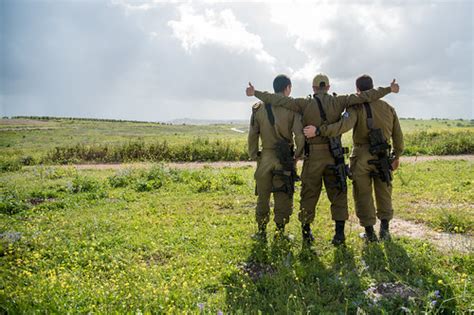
(155, 60)
(217, 28)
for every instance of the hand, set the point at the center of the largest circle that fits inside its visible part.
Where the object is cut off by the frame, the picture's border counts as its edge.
(250, 90)
(309, 131)
(395, 164)
(394, 87)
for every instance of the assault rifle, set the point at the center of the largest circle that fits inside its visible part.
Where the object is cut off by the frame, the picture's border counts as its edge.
(287, 174)
(340, 168)
(380, 148)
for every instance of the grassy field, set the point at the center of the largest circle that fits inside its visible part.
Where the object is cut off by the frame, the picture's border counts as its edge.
(160, 240)
(62, 141)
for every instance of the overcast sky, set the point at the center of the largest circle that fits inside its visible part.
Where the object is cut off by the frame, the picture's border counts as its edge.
(157, 60)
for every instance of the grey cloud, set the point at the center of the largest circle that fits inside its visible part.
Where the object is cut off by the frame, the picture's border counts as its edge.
(99, 59)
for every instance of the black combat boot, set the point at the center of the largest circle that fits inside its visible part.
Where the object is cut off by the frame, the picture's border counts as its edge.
(369, 234)
(339, 237)
(307, 234)
(384, 232)
(261, 235)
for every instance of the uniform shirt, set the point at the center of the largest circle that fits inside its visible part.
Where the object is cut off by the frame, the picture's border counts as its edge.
(333, 106)
(287, 123)
(384, 117)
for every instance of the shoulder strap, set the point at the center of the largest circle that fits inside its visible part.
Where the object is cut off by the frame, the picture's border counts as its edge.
(370, 119)
(321, 110)
(271, 119)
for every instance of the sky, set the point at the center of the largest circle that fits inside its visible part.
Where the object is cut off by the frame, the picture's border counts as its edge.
(163, 60)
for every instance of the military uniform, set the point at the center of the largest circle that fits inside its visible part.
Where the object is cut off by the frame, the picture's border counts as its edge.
(286, 124)
(315, 169)
(385, 118)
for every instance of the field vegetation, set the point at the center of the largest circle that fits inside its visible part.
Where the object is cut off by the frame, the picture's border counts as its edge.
(66, 141)
(163, 240)
(167, 240)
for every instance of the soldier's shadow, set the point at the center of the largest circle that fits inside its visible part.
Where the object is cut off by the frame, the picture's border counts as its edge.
(273, 280)
(404, 280)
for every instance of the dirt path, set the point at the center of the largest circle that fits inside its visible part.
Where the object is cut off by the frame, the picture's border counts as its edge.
(445, 242)
(199, 165)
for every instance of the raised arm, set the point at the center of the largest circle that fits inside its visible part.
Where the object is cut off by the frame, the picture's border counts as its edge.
(343, 101)
(296, 105)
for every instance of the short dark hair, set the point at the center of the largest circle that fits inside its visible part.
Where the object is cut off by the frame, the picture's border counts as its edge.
(364, 83)
(280, 83)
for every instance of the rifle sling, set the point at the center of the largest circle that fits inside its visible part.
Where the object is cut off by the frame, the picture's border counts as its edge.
(370, 119)
(271, 119)
(321, 110)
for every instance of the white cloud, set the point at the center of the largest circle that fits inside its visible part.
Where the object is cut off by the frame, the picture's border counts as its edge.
(215, 27)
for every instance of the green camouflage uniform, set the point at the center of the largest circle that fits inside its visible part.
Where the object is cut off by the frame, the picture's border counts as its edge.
(287, 123)
(385, 118)
(315, 166)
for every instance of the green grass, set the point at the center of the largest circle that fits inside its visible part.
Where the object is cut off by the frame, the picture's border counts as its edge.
(439, 193)
(56, 141)
(160, 240)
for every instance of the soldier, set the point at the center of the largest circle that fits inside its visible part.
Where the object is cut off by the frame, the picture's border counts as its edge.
(275, 126)
(371, 162)
(319, 164)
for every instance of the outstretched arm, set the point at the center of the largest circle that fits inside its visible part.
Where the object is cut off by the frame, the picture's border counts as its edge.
(296, 105)
(343, 101)
(346, 123)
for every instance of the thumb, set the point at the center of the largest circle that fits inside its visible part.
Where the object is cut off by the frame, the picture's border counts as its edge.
(250, 84)
(393, 82)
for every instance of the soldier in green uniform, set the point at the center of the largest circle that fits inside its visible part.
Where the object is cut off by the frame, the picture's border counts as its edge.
(317, 109)
(273, 126)
(371, 163)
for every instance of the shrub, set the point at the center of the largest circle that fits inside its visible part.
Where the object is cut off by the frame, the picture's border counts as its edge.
(10, 165)
(84, 184)
(10, 203)
(122, 178)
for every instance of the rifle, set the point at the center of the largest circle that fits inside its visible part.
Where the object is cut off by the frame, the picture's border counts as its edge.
(340, 168)
(380, 148)
(285, 154)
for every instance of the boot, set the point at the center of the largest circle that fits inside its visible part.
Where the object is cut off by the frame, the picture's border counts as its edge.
(307, 234)
(261, 235)
(369, 234)
(384, 232)
(339, 237)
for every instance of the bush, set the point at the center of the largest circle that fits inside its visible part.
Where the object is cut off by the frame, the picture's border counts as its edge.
(197, 150)
(84, 184)
(10, 165)
(10, 203)
(122, 178)
(440, 143)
